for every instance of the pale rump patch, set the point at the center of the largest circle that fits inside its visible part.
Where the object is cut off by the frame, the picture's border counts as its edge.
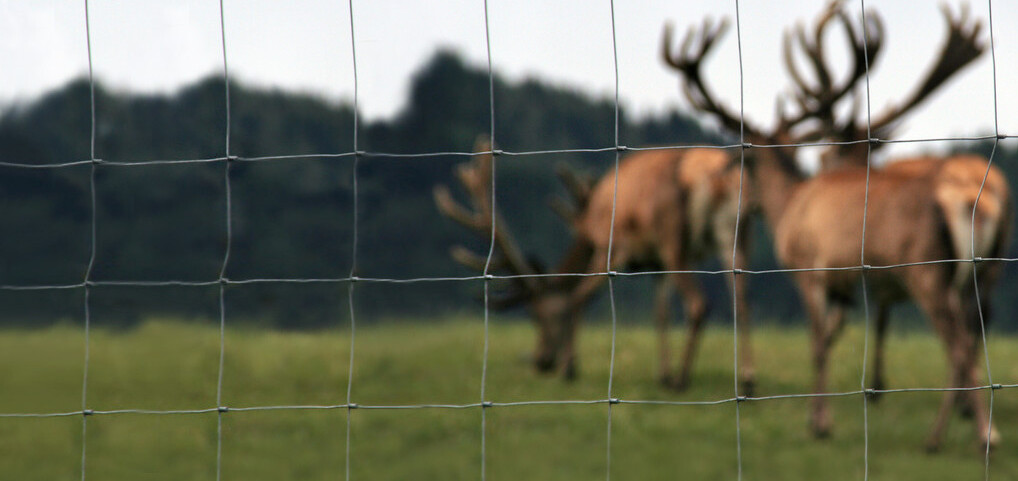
(958, 191)
(700, 164)
(702, 176)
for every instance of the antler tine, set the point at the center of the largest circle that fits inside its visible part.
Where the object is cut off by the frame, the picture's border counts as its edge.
(962, 46)
(818, 101)
(579, 186)
(452, 209)
(469, 258)
(688, 59)
(475, 176)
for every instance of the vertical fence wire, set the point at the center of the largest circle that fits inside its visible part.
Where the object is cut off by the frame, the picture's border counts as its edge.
(611, 235)
(220, 407)
(979, 311)
(862, 249)
(735, 319)
(491, 246)
(487, 278)
(972, 243)
(92, 248)
(356, 236)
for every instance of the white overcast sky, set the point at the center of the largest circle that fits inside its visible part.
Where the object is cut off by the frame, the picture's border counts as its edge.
(157, 46)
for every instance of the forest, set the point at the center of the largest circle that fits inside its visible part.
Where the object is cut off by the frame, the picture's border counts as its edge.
(292, 205)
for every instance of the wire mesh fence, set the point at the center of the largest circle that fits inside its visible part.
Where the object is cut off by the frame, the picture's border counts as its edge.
(482, 404)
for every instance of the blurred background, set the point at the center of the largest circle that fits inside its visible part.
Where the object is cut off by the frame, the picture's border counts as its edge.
(423, 88)
(422, 71)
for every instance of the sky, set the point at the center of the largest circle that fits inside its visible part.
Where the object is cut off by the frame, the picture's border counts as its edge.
(306, 45)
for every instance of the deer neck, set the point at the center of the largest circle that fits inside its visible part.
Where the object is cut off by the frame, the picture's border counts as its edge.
(776, 179)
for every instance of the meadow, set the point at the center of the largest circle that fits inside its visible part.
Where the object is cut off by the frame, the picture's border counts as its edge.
(167, 365)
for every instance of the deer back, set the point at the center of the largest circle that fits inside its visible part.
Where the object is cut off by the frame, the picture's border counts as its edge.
(662, 196)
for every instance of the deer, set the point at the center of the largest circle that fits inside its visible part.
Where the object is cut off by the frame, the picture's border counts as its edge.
(960, 176)
(673, 207)
(926, 216)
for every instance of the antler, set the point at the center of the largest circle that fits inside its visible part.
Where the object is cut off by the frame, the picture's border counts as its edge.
(818, 101)
(688, 59)
(961, 47)
(475, 177)
(579, 185)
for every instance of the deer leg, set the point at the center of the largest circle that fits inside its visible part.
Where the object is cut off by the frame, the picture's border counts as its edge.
(737, 284)
(975, 401)
(965, 355)
(696, 309)
(574, 314)
(662, 319)
(834, 321)
(548, 341)
(956, 380)
(878, 352)
(960, 326)
(943, 307)
(821, 329)
(976, 325)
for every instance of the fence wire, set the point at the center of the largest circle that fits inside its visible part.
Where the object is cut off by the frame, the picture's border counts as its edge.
(484, 404)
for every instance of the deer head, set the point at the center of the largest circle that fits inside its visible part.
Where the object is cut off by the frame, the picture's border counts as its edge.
(545, 297)
(815, 103)
(962, 45)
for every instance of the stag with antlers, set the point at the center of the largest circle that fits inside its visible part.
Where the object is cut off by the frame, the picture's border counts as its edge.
(672, 208)
(917, 213)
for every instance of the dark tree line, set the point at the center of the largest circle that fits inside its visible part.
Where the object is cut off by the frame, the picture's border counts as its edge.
(293, 218)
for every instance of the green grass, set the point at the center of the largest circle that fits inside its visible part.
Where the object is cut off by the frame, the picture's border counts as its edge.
(174, 365)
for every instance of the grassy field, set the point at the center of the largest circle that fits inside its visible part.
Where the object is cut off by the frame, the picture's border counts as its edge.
(174, 365)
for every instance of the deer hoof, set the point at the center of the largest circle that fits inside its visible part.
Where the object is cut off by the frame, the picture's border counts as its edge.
(569, 371)
(544, 363)
(878, 385)
(966, 411)
(820, 428)
(992, 441)
(748, 387)
(676, 383)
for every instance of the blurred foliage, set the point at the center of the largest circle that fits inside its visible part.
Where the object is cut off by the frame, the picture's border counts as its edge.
(294, 217)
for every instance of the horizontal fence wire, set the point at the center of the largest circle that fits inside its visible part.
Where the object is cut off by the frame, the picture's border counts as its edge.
(414, 280)
(357, 155)
(496, 404)
(509, 153)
